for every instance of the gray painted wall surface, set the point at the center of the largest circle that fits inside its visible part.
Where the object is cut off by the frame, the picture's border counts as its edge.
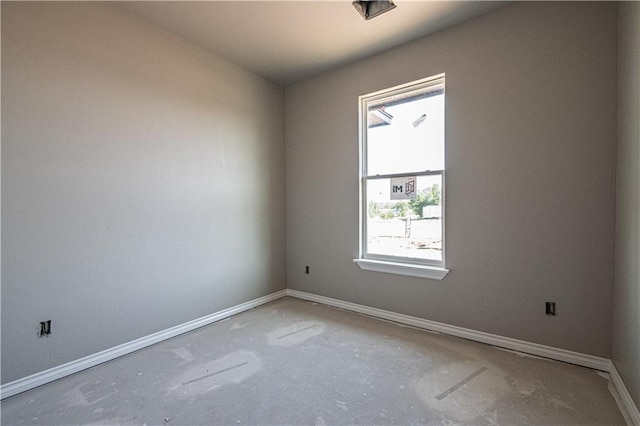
(626, 294)
(142, 182)
(531, 130)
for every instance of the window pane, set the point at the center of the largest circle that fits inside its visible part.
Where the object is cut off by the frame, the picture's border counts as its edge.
(405, 228)
(406, 135)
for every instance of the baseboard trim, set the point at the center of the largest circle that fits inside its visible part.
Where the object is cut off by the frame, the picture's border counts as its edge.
(625, 397)
(38, 379)
(557, 354)
(577, 358)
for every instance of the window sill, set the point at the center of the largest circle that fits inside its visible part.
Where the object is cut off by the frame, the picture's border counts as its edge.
(421, 271)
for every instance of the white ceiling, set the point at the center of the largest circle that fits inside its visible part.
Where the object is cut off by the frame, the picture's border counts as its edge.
(288, 41)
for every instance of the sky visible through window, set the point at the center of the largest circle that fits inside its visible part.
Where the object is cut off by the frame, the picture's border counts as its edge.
(400, 147)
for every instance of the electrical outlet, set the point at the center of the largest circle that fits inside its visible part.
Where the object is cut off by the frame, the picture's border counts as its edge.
(45, 328)
(550, 308)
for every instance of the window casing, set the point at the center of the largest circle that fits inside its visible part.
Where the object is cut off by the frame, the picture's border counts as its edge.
(402, 179)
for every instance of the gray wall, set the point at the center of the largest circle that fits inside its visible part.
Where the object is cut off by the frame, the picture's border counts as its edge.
(142, 182)
(530, 155)
(626, 301)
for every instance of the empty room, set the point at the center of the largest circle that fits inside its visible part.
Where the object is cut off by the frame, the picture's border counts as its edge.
(320, 212)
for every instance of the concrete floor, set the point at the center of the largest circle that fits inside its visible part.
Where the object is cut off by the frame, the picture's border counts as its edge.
(295, 362)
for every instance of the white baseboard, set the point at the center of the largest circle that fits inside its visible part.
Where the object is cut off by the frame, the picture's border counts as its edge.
(625, 397)
(577, 358)
(602, 364)
(584, 360)
(55, 373)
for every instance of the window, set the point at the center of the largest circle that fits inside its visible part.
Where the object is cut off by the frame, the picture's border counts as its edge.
(402, 179)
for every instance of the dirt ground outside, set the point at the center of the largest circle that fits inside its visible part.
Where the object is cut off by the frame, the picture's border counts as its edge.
(416, 238)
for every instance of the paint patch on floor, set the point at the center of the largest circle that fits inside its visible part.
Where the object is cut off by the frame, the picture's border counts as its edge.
(526, 387)
(233, 368)
(558, 403)
(183, 353)
(295, 334)
(237, 325)
(462, 391)
(86, 394)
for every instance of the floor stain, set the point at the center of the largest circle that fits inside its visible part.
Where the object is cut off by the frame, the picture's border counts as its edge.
(295, 334)
(232, 368)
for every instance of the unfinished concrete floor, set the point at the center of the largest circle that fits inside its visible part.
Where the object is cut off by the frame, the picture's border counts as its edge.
(295, 362)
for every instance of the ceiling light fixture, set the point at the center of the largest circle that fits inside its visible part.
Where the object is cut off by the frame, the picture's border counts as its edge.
(371, 9)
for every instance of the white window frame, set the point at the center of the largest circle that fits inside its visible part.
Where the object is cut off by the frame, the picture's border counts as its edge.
(423, 268)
